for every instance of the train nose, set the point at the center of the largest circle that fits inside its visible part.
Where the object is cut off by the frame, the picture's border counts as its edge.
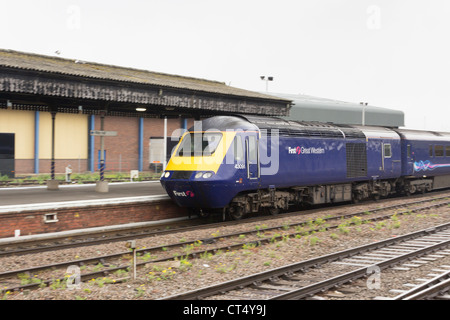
(182, 193)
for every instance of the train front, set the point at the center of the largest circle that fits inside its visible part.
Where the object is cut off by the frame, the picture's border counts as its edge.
(197, 176)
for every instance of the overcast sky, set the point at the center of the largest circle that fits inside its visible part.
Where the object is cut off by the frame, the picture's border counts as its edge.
(389, 53)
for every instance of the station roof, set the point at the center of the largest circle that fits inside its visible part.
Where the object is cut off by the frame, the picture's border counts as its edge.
(115, 84)
(309, 108)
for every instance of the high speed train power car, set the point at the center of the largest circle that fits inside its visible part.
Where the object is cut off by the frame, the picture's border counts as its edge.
(243, 164)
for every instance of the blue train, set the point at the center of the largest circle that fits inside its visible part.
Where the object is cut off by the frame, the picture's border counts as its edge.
(240, 165)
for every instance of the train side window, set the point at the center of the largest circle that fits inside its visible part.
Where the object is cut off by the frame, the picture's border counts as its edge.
(252, 149)
(238, 148)
(447, 151)
(387, 150)
(439, 151)
(431, 151)
(408, 151)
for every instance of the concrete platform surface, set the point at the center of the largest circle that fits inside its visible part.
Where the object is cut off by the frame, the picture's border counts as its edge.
(40, 194)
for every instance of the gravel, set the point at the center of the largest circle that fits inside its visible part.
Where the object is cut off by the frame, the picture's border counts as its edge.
(157, 280)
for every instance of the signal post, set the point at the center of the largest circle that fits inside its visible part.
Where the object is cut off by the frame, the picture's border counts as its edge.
(102, 185)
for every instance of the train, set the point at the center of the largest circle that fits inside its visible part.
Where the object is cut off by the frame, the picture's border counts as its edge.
(240, 165)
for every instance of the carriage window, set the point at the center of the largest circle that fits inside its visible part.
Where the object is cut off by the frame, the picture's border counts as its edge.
(387, 150)
(447, 151)
(408, 151)
(439, 151)
(238, 148)
(431, 150)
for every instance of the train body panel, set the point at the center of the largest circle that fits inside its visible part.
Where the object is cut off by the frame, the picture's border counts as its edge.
(314, 161)
(383, 153)
(304, 162)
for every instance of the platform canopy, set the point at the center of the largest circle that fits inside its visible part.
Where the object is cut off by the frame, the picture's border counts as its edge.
(37, 82)
(309, 108)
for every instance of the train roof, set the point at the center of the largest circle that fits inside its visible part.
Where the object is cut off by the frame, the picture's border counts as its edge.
(374, 132)
(284, 127)
(223, 123)
(423, 135)
(314, 128)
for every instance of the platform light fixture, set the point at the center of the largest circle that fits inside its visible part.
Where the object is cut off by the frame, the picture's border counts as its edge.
(141, 109)
(267, 79)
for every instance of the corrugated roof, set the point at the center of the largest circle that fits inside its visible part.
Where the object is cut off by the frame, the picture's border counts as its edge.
(77, 68)
(309, 108)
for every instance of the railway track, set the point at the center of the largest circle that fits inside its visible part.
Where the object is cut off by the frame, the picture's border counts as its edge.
(436, 288)
(189, 250)
(35, 245)
(288, 282)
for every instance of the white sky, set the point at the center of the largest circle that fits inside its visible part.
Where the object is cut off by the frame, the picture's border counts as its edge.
(390, 53)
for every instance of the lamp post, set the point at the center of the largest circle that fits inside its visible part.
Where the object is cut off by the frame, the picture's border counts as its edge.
(364, 105)
(267, 81)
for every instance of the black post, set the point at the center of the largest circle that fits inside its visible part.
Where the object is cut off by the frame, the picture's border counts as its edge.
(53, 112)
(102, 147)
(102, 185)
(52, 184)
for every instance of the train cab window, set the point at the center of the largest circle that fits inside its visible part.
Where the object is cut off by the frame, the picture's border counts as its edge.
(252, 149)
(431, 151)
(238, 148)
(199, 144)
(439, 151)
(387, 150)
(447, 151)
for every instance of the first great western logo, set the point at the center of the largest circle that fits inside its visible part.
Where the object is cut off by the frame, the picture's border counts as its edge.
(304, 150)
(187, 194)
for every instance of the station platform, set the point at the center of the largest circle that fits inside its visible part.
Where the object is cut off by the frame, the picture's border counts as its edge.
(36, 210)
(23, 196)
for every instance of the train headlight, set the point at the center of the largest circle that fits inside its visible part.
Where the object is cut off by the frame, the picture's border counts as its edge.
(167, 174)
(207, 175)
(198, 175)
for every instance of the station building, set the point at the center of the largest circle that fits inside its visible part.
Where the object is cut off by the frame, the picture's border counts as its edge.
(49, 106)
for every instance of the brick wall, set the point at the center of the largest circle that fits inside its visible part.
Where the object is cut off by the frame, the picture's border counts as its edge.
(87, 217)
(121, 151)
